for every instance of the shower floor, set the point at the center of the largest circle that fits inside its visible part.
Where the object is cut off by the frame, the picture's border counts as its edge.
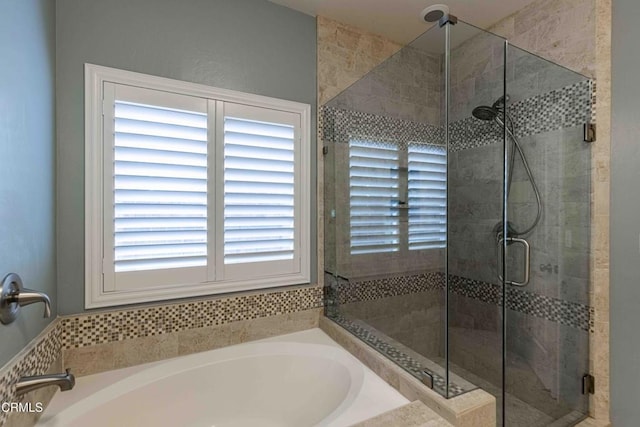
(518, 412)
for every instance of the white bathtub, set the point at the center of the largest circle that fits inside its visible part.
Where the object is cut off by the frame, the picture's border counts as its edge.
(297, 380)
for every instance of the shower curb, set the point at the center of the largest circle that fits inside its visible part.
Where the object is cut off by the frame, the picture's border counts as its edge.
(476, 408)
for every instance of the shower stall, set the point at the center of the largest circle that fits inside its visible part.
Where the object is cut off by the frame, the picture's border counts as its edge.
(457, 181)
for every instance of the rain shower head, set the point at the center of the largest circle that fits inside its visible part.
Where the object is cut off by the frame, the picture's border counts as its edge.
(435, 12)
(484, 112)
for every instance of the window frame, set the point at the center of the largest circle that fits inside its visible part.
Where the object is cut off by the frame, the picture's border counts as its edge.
(95, 293)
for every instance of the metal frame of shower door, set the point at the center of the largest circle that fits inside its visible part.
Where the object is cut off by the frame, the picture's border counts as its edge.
(505, 192)
(447, 83)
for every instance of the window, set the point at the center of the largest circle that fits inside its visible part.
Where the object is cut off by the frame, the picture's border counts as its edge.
(383, 192)
(191, 190)
(427, 184)
(374, 193)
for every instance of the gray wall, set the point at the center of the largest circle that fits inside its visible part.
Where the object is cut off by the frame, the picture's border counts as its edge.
(625, 215)
(27, 150)
(247, 45)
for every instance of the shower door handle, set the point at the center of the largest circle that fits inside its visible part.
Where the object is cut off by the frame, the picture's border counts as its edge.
(527, 260)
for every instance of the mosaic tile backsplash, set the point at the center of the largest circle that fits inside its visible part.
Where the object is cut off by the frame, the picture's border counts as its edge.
(100, 328)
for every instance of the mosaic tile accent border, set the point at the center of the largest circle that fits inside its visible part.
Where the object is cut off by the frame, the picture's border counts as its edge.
(340, 126)
(112, 326)
(33, 360)
(556, 310)
(398, 357)
(366, 290)
(567, 107)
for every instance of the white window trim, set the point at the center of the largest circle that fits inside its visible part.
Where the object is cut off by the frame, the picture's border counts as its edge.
(95, 294)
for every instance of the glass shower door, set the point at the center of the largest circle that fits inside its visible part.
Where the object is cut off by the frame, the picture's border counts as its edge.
(547, 317)
(476, 214)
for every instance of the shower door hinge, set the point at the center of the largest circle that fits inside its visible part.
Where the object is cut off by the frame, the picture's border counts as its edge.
(588, 384)
(427, 378)
(448, 19)
(589, 132)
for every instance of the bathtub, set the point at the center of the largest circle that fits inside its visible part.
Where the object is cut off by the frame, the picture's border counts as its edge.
(299, 379)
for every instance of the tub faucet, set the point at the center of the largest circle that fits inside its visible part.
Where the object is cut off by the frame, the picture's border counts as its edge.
(65, 381)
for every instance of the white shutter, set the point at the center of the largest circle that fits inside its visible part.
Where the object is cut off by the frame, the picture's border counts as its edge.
(158, 187)
(261, 196)
(374, 193)
(191, 190)
(427, 196)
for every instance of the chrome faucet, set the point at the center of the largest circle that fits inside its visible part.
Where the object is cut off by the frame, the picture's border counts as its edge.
(13, 295)
(65, 381)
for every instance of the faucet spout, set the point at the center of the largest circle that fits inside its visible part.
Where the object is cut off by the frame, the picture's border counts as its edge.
(65, 381)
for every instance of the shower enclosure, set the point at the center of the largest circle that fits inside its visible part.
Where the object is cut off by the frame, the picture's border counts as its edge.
(457, 220)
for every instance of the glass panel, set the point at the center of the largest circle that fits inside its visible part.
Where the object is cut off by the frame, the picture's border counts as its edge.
(548, 206)
(475, 195)
(417, 172)
(385, 208)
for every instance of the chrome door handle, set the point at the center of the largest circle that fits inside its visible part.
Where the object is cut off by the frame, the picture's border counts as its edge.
(527, 260)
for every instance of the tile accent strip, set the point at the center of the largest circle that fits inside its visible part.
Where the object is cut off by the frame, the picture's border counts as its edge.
(112, 326)
(338, 125)
(556, 310)
(567, 107)
(35, 359)
(366, 290)
(568, 313)
(401, 359)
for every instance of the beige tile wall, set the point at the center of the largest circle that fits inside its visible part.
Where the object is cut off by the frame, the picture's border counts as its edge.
(102, 341)
(600, 200)
(345, 54)
(121, 354)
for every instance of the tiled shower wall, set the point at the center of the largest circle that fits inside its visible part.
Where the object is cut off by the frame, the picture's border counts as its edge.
(577, 35)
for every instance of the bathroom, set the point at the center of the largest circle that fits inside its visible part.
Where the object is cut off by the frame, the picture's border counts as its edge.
(554, 79)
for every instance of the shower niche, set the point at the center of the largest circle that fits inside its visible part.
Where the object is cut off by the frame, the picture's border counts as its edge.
(457, 220)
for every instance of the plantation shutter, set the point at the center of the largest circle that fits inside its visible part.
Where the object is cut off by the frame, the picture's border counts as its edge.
(427, 196)
(261, 192)
(374, 194)
(155, 187)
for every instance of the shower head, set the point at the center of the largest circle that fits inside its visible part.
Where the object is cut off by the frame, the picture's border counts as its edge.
(484, 112)
(434, 13)
(500, 102)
